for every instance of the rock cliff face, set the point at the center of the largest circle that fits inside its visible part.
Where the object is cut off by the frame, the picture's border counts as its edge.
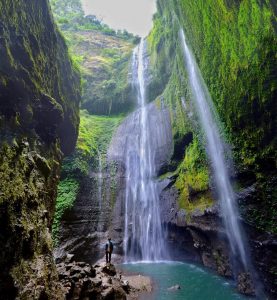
(103, 55)
(39, 117)
(234, 44)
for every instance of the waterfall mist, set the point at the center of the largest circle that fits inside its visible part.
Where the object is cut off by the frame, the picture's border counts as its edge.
(143, 236)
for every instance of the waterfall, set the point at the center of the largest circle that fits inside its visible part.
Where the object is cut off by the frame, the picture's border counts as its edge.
(215, 151)
(143, 237)
(100, 180)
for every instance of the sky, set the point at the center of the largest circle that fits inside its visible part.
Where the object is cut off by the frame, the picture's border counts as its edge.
(133, 15)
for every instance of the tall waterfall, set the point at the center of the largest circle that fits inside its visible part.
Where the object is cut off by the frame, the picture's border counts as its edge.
(215, 150)
(100, 179)
(143, 238)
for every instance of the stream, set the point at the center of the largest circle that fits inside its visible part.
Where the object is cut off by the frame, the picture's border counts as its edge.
(197, 283)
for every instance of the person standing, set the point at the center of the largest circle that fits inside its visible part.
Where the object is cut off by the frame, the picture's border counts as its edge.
(109, 250)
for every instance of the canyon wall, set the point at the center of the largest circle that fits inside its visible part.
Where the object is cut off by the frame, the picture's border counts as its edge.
(39, 118)
(234, 44)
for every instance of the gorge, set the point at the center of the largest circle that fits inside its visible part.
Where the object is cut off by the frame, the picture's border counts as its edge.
(166, 144)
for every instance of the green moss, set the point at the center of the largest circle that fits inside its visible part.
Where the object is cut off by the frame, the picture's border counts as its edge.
(95, 133)
(193, 180)
(67, 192)
(237, 69)
(235, 46)
(39, 96)
(104, 68)
(12, 171)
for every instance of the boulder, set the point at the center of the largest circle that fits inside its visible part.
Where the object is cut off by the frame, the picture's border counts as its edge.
(174, 288)
(109, 269)
(245, 284)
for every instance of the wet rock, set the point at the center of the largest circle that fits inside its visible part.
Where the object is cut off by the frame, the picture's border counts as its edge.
(174, 288)
(245, 284)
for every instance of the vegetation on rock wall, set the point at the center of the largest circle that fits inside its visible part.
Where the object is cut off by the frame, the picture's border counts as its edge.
(39, 118)
(103, 56)
(95, 133)
(169, 78)
(193, 180)
(235, 46)
(70, 17)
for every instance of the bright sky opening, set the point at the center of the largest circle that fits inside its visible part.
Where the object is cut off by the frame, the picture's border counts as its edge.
(133, 15)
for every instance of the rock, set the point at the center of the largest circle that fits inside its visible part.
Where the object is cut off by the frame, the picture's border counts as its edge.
(119, 294)
(69, 258)
(125, 285)
(245, 284)
(97, 281)
(109, 269)
(69, 266)
(81, 264)
(75, 269)
(108, 293)
(174, 288)
(76, 277)
(90, 271)
(106, 282)
(80, 282)
(138, 282)
(77, 291)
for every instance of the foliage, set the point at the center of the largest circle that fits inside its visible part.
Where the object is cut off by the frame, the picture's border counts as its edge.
(67, 192)
(95, 133)
(70, 16)
(243, 42)
(193, 179)
(101, 54)
(235, 46)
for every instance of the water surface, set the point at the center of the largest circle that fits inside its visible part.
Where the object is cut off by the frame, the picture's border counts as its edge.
(196, 283)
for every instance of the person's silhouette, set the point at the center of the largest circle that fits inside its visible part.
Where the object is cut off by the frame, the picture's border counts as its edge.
(109, 250)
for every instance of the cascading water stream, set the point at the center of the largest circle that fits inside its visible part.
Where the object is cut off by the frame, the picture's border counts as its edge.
(100, 180)
(215, 150)
(143, 238)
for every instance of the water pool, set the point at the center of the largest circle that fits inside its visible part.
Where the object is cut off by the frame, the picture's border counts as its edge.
(196, 283)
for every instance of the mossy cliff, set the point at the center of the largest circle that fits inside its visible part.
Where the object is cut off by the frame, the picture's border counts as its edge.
(234, 43)
(86, 193)
(235, 46)
(39, 118)
(103, 56)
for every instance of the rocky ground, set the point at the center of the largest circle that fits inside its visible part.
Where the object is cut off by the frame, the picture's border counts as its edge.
(80, 280)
